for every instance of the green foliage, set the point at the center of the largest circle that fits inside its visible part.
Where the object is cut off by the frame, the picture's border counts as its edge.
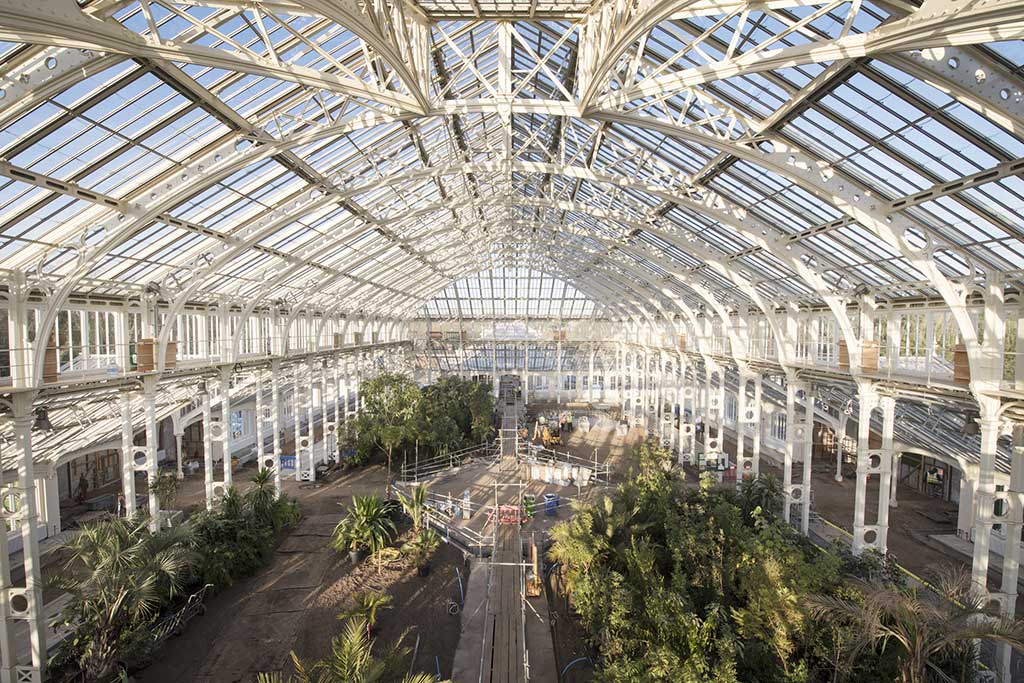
(130, 575)
(232, 539)
(445, 416)
(481, 411)
(414, 505)
(366, 527)
(871, 566)
(690, 584)
(366, 606)
(354, 450)
(654, 460)
(455, 412)
(352, 660)
(708, 584)
(437, 430)
(762, 496)
(390, 402)
(262, 501)
(422, 545)
(932, 637)
(165, 488)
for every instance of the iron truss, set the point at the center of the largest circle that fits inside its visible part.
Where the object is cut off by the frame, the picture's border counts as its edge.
(662, 158)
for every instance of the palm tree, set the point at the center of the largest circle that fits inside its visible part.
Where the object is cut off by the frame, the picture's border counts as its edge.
(415, 505)
(592, 534)
(366, 607)
(420, 547)
(763, 492)
(930, 633)
(352, 661)
(232, 505)
(130, 574)
(366, 527)
(262, 496)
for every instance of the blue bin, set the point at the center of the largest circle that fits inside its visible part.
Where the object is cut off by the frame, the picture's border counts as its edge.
(551, 504)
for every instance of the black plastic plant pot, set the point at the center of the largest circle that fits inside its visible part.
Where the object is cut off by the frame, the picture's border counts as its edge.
(357, 555)
(423, 570)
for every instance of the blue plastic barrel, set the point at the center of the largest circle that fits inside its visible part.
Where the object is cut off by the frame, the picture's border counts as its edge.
(551, 504)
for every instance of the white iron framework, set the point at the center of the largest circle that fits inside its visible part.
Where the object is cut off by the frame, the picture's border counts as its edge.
(807, 204)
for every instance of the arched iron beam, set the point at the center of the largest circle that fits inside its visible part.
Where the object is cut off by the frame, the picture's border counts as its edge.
(849, 197)
(649, 296)
(935, 24)
(65, 24)
(835, 302)
(702, 140)
(583, 286)
(131, 216)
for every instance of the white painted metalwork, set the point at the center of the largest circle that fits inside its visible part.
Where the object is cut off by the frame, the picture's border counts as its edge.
(823, 191)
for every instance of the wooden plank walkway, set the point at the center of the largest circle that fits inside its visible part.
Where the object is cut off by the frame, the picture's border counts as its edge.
(510, 406)
(506, 611)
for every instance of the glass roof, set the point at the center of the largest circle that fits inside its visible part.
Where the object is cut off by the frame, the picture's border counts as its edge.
(510, 293)
(496, 152)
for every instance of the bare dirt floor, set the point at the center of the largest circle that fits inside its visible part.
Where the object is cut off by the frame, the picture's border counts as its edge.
(291, 605)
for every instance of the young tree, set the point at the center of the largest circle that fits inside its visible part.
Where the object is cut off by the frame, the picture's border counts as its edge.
(420, 548)
(366, 606)
(261, 498)
(481, 410)
(762, 494)
(434, 426)
(165, 488)
(390, 403)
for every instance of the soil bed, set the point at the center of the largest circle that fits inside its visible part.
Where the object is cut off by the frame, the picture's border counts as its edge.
(292, 603)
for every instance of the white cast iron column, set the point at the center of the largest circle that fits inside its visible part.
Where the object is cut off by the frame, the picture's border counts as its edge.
(27, 603)
(208, 439)
(867, 399)
(127, 455)
(225, 419)
(151, 466)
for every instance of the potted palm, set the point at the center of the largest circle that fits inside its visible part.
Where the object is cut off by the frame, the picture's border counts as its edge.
(420, 548)
(366, 528)
(415, 506)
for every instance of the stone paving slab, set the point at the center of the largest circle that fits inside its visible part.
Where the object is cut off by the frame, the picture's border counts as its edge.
(302, 544)
(298, 571)
(240, 652)
(278, 602)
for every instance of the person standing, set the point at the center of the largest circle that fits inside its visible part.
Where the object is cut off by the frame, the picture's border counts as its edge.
(83, 488)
